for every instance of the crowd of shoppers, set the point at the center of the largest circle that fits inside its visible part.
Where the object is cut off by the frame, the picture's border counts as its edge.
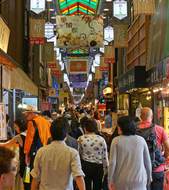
(69, 152)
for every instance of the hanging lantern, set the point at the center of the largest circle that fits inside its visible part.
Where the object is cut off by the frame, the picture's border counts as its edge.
(109, 34)
(120, 9)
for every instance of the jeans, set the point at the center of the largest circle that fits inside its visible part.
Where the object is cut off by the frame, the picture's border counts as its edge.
(93, 175)
(158, 181)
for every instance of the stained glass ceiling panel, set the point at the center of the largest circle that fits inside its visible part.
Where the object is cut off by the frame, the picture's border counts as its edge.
(72, 7)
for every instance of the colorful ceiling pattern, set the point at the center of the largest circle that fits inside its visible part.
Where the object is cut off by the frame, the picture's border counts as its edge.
(78, 7)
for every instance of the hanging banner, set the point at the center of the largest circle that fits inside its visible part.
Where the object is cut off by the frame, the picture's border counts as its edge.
(37, 6)
(3, 128)
(109, 54)
(98, 73)
(78, 66)
(144, 7)
(52, 65)
(48, 52)
(120, 36)
(79, 31)
(103, 66)
(37, 31)
(4, 35)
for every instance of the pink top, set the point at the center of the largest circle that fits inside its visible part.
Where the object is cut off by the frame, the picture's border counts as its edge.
(161, 138)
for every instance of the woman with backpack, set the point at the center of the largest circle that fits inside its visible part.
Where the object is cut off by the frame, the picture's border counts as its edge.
(130, 164)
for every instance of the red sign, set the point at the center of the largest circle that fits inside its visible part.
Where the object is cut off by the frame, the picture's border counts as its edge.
(37, 41)
(102, 106)
(56, 72)
(109, 60)
(102, 68)
(52, 65)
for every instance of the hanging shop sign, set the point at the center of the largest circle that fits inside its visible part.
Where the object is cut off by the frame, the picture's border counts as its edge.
(52, 65)
(56, 72)
(109, 34)
(134, 78)
(79, 31)
(49, 30)
(78, 66)
(3, 128)
(48, 52)
(4, 35)
(103, 65)
(120, 36)
(120, 9)
(37, 6)
(37, 31)
(109, 54)
(144, 7)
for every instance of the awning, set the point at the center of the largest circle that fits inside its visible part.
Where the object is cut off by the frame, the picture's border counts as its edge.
(7, 60)
(20, 80)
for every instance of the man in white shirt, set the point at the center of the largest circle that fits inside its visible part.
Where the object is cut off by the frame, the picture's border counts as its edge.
(55, 164)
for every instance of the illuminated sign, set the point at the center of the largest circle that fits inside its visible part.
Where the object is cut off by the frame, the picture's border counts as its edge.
(37, 6)
(120, 9)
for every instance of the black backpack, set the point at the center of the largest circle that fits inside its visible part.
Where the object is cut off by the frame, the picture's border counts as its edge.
(149, 135)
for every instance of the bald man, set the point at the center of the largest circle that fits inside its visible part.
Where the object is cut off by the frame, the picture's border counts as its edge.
(162, 140)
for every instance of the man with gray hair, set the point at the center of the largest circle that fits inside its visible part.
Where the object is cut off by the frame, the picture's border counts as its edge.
(161, 140)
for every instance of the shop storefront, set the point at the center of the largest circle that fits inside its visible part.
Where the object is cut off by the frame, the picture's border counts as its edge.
(158, 81)
(132, 91)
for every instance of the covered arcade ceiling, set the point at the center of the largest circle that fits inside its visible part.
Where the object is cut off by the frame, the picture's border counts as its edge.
(74, 7)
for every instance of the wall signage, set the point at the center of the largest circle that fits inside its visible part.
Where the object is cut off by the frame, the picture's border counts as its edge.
(4, 35)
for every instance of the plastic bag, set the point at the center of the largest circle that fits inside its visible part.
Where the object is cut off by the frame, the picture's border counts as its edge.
(26, 177)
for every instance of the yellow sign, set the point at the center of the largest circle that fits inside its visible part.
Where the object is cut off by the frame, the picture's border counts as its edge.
(166, 119)
(4, 35)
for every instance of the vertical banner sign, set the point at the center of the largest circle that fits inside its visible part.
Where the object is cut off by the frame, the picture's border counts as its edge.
(48, 52)
(144, 7)
(4, 35)
(103, 66)
(37, 6)
(3, 128)
(36, 31)
(109, 54)
(120, 36)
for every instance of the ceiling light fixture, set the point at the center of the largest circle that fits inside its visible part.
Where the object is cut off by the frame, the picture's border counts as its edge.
(106, 9)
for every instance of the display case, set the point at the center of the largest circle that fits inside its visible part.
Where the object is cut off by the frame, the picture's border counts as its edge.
(138, 41)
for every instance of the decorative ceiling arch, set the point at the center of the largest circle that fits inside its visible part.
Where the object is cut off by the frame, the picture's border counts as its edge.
(78, 7)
